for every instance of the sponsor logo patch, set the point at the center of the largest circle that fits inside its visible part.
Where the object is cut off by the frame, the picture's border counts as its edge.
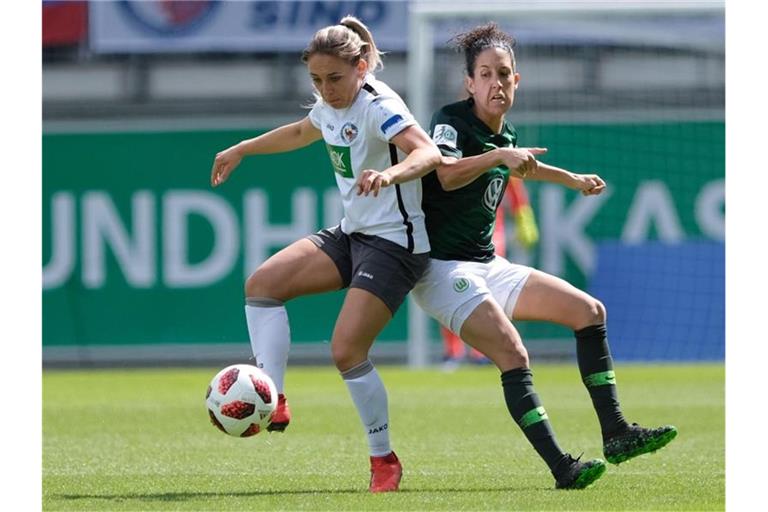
(341, 160)
(493, 193)
(446, 135)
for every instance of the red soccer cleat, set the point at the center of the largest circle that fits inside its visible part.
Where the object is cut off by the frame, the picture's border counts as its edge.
(386, 472)
(282, 415)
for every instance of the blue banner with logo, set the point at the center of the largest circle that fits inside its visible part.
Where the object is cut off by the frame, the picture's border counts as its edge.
(141, 26)
(125, 26)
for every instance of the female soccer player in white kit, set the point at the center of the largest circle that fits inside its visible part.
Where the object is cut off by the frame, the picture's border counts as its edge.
(379, 250)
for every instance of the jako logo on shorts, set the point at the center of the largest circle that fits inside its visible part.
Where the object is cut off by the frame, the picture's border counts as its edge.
(461, 284)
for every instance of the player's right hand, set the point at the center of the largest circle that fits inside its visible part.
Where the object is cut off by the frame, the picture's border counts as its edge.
(225, 162)
(372, 181)
(521, 161)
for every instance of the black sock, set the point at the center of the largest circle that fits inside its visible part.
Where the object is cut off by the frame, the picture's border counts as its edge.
(525, 407)
(596, 367)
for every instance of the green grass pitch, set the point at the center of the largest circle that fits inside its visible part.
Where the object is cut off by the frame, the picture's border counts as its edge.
(141, 440)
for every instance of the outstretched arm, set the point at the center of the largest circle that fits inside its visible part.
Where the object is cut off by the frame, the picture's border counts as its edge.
(588, 184)
(455, 173)
(423, 156)
(285, 138)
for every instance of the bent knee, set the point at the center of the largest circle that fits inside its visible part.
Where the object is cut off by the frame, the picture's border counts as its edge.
(345, 357)
(521, 355)
(263, 284)
(512, 354)
(593, 313)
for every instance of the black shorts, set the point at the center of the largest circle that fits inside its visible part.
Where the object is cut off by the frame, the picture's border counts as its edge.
(372, 263)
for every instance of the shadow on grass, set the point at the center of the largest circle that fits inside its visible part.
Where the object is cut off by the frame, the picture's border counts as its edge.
(183, 496)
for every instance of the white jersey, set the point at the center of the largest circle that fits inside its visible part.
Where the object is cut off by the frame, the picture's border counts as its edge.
(357, 138)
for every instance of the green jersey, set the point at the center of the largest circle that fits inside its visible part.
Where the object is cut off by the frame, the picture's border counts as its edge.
(460, 222)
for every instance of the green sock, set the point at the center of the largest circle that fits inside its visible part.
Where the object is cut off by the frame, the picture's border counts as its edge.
(596, 368)
(525, 407)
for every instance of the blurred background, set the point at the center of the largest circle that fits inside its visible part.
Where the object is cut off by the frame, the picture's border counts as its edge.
(144, 263)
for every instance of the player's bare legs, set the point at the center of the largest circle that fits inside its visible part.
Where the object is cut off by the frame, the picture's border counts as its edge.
(549, 298)
(362, 317)
(488, 330)
(299, 269)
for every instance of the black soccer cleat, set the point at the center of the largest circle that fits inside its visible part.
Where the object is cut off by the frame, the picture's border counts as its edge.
(636, 440)
(577, 474)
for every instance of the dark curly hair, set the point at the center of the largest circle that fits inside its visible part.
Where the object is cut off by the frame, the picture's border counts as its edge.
(475, 41)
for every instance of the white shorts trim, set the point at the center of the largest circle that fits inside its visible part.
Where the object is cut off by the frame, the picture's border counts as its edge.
(450, 291)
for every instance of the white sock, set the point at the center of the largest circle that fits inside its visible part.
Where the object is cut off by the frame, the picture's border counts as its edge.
(370, 398)
(270, 336)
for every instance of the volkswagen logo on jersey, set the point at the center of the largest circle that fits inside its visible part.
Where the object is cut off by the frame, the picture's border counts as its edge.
(349, 132)
(166, 18)
(493, 193)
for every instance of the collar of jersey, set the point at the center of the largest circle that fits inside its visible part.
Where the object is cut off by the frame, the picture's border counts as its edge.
(506, 129)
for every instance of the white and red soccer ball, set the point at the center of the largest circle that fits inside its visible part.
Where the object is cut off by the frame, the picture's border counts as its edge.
(241, 399)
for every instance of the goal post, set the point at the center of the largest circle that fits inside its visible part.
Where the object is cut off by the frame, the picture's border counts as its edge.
(594, 42)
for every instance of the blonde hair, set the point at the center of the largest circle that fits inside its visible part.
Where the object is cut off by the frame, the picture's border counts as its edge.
(350, 40)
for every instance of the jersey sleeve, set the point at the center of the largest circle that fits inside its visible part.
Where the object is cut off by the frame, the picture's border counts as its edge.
(388, 117)
(449, 134)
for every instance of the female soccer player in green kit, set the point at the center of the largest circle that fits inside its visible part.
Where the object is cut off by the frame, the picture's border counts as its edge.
(477, 294)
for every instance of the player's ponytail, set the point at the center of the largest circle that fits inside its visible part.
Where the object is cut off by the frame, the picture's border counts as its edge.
(368, 50)
(350, 40)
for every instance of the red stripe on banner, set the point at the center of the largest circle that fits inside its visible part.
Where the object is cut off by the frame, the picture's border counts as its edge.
(64, 23)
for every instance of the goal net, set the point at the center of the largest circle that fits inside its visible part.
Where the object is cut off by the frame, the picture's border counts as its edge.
(632, 91)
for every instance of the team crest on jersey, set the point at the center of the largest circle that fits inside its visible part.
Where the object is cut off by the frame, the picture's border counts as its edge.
(445, 134)
(493, 193)
(349, 132)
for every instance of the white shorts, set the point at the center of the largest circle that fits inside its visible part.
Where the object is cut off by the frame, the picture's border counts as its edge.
(450, 291)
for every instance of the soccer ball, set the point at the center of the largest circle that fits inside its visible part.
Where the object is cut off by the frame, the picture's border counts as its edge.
(241, 399)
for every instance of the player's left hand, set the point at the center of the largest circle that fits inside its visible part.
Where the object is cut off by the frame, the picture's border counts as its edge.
(590, 184)
(371, 181)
